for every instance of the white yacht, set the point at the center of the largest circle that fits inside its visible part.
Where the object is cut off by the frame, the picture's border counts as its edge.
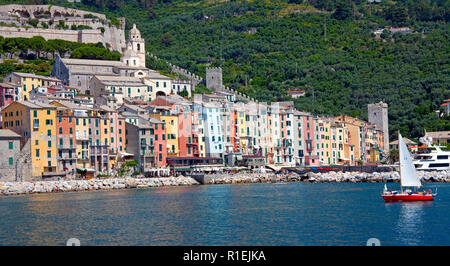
(432, 157)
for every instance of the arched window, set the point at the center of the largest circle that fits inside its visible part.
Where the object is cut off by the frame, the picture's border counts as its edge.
(138, 46)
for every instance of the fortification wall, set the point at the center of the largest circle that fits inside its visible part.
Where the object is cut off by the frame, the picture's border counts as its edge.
(37, 11)
(19, 15)
(86, 36)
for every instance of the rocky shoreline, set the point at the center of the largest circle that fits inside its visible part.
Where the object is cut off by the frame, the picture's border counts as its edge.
(17, 188)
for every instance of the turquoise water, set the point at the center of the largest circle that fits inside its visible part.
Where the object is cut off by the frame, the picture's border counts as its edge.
(247, 214)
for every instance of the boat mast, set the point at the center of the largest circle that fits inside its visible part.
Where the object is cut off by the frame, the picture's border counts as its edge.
(400, 162)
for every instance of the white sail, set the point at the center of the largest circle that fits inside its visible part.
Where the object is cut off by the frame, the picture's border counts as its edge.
(408, 173)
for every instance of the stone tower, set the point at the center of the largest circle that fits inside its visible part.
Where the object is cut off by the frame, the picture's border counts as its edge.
(214, 78)
(135, 48)
(378, 115)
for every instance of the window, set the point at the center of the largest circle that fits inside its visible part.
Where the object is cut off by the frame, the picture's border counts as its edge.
(439, 165)
(11, 161)
(37, 153)
(11, 145)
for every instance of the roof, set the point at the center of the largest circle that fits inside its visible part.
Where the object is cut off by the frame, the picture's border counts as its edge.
(291, 92)
(406, 140)
(35, 104)
(8, 133)
(120, 80)
(72, 105)
(135, 108)
(72, 61)
(7, 85)
(30, 75)
(156, 75)
(106, 108)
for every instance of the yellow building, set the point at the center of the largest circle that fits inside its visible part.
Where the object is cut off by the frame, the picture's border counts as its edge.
(28, 82)
(356, 130)
(171, 125)
(242, 129)
(36, 123)
(325, 141)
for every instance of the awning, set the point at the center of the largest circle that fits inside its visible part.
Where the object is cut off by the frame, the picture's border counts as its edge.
(79, 170)
(124, 154)
(274, 167)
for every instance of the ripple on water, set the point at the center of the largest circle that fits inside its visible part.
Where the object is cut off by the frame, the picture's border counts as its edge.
(247, 214)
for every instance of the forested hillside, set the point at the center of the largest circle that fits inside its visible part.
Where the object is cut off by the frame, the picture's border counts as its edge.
(325, 47)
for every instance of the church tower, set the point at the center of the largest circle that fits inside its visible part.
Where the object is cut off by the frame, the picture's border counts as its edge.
(134, 54)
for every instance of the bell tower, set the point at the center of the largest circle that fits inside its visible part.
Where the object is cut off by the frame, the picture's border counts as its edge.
(137, 44)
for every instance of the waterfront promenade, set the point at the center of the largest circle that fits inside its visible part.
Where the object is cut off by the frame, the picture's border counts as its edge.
(17, 188)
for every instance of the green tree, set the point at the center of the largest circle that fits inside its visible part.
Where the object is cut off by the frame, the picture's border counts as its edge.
(343, 10)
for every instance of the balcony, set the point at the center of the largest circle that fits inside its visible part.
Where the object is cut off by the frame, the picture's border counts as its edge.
(82, 158)
(66, 157)
(66, 147)
(81, 137)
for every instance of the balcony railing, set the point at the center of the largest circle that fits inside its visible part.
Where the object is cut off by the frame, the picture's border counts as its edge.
(82, 137)
(66, 147)
(66, 157)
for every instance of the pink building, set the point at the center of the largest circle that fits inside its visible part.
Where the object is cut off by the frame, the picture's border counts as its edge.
(8, 94)
(311, 158)
(185, 136)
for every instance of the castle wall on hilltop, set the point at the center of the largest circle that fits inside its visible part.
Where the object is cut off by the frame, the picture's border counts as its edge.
(16, 24)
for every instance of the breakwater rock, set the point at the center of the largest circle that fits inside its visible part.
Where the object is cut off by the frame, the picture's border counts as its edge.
(14, 188)
(250, 178)
(329, 177)
(425, 176)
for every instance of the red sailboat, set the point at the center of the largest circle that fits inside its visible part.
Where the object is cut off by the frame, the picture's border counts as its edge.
(408, 178)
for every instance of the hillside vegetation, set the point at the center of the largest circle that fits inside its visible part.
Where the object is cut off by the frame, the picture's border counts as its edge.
(325, 47)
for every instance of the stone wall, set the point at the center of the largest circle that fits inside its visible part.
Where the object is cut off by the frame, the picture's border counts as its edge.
(19, 15)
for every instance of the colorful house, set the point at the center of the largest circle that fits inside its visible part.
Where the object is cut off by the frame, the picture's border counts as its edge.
(28, 81)
(36, 124)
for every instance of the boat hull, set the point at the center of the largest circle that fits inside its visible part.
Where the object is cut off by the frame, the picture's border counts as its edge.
(407, 197)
